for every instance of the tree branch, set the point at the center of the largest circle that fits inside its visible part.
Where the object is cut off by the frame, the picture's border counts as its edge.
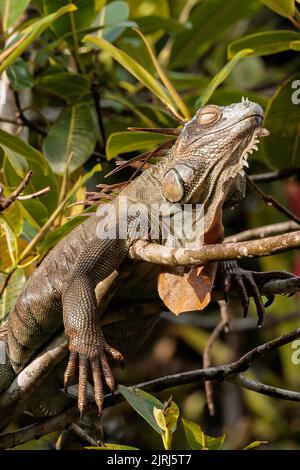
(263, 231)
(5, 202)
(229, 372)
(159, 254)
(275, 175)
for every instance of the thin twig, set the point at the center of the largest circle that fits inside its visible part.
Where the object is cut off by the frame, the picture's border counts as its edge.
(275, 175)
(39, 193)
(223, 323)
(271, 201)
(30, 124)
(262, 232)
(264, 389)
(5, 202)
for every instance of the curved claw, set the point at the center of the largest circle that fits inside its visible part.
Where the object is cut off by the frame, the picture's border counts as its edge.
(251, 282)
(100, 370)
(270, 300)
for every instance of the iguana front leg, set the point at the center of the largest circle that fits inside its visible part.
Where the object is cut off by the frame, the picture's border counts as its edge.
(231, 276)
(87, 345)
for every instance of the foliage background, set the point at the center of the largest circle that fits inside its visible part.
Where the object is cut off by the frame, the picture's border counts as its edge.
(69, 101)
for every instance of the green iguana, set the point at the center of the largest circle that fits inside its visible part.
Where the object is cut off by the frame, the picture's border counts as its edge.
(86, 283)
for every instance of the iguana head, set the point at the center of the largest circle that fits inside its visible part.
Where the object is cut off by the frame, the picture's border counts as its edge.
(210, 154)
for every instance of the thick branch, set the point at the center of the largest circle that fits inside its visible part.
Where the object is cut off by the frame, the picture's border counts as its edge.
(159, 254)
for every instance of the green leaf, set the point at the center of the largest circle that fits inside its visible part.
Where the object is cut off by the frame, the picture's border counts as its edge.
(14, 288)
(68, 86)
(210, 19)
(167, 418)
(143, 403)
(133, 67)
(266, 43)
(19, 75)
(198, 440)
(11, 11)
(282, 119)
(113, 14)
(74, 131)
(70, 25)
(193, 434)
(254, 444)
(29, 34)
(221, 76)
(285, 8)
(152, 23)
(112, 447)
(295, 45)
(19, 159)
(150, 7)
(123, 142)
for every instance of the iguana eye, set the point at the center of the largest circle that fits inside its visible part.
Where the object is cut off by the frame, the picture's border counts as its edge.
(209, 115)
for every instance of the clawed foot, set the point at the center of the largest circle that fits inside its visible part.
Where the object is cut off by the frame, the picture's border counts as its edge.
(249, 283)
(95, 362)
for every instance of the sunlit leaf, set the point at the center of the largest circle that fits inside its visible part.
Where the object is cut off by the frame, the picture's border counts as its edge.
(221, 76)
(123, 142)
(284, 8)
(254, 444)
(133, 67)
(198, 440)
(28, 35)
(167, 418)
(11, 11)
(266, 43)
(77, 20)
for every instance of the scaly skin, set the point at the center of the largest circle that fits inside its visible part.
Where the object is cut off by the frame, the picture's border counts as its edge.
(204, 166)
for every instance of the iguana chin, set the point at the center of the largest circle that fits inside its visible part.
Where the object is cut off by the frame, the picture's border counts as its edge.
(107, 303)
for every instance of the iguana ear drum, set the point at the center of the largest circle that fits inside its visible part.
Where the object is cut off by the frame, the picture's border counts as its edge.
(174, 182)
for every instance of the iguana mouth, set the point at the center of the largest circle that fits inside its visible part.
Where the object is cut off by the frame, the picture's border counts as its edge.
(252, 145)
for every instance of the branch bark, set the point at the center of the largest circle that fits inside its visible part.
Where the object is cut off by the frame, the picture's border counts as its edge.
(159, 254)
